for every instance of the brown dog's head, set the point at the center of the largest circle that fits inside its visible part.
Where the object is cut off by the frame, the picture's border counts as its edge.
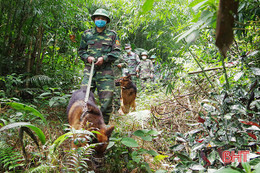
(123, 81)
(103, 140)
(92, 121)
(94, 116)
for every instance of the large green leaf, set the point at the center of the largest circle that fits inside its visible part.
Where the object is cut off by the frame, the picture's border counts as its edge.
(143, 134)
(256, 71)
(257, 168)
(38, 131)
(59, 141)
(152, 152)
(246, 166)
(148, 5)
(129, 142)
(23, 107)
(153, 132)
(227, 170)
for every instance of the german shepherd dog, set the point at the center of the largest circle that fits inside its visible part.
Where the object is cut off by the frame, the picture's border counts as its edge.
(128, 94)
(90, 120)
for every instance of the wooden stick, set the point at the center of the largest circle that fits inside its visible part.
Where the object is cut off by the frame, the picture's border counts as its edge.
(215, 68)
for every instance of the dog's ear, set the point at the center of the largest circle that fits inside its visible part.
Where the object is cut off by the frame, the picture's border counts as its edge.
(92, 108)
(109, 131)
(129, 76)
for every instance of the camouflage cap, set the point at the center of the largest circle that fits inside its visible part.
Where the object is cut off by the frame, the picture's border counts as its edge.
(144, 53)
(153, 57)
(127, 46)
(101, 12)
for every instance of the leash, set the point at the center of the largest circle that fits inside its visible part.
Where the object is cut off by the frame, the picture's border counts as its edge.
(85, 109)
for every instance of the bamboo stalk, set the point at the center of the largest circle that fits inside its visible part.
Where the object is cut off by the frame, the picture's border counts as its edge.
(210, 69)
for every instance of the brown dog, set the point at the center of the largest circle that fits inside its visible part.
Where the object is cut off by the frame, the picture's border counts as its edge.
(91, 120)
(128, 94)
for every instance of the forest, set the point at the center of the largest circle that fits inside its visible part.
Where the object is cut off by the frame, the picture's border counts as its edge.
(202, 114)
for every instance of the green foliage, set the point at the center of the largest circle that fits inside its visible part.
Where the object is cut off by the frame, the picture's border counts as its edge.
(25, 108)
(78, 159)
(129, 142)
(42, 168)
(125, 151)
(24, 127)
(231, 123)
(10, 160)
(148, 5)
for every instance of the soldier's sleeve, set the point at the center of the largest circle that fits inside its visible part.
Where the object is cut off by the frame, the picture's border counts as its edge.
(115, 52)
(122, 61)
(137, 59)
(82, 51)
(138, 67)
(152, 67)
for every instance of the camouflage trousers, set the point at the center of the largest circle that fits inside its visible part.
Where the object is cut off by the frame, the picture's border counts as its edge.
(117, 95)
(145, 81)
(134, 79)
(103, 82)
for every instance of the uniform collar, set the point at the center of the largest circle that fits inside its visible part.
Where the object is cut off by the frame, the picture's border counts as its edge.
(103, 32)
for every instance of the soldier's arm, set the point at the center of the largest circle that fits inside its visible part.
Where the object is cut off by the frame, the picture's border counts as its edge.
(122, 62)
(138, 68)
(137, 59)
(151, 65)
(82, 51)
(115, 52)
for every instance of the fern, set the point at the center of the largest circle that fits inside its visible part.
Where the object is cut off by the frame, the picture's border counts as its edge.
(43, 168)
(9, 159)
(79, 159)
(40, 80)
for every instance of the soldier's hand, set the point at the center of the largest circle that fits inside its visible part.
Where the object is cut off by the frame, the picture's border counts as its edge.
(119, 66)
(99, 61)
(90, 59)
(137, 75)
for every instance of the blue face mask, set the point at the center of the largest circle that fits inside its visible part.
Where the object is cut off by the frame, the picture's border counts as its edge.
(100, 23)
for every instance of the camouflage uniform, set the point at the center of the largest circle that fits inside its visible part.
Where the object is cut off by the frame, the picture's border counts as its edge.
(146, 69)
(157, 71)
(106, 45)
(132, 63)
(118, 73)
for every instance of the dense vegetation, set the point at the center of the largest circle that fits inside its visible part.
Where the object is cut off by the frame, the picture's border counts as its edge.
(198, 109)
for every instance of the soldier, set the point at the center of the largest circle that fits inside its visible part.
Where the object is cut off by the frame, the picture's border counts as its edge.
(117, 69)
(132, 60)
(157, 69)
(101, 46)
(146, 69)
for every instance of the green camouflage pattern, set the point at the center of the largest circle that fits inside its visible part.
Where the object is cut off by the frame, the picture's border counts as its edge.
(106, 45)
(132, 62)
(118, 73)
(146, 69)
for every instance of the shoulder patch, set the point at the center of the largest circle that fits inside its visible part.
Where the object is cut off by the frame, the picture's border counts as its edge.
(117, 42)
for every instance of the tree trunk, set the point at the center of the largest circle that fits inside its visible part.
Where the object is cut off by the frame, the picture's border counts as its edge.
(28, 67)
(38, 58)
